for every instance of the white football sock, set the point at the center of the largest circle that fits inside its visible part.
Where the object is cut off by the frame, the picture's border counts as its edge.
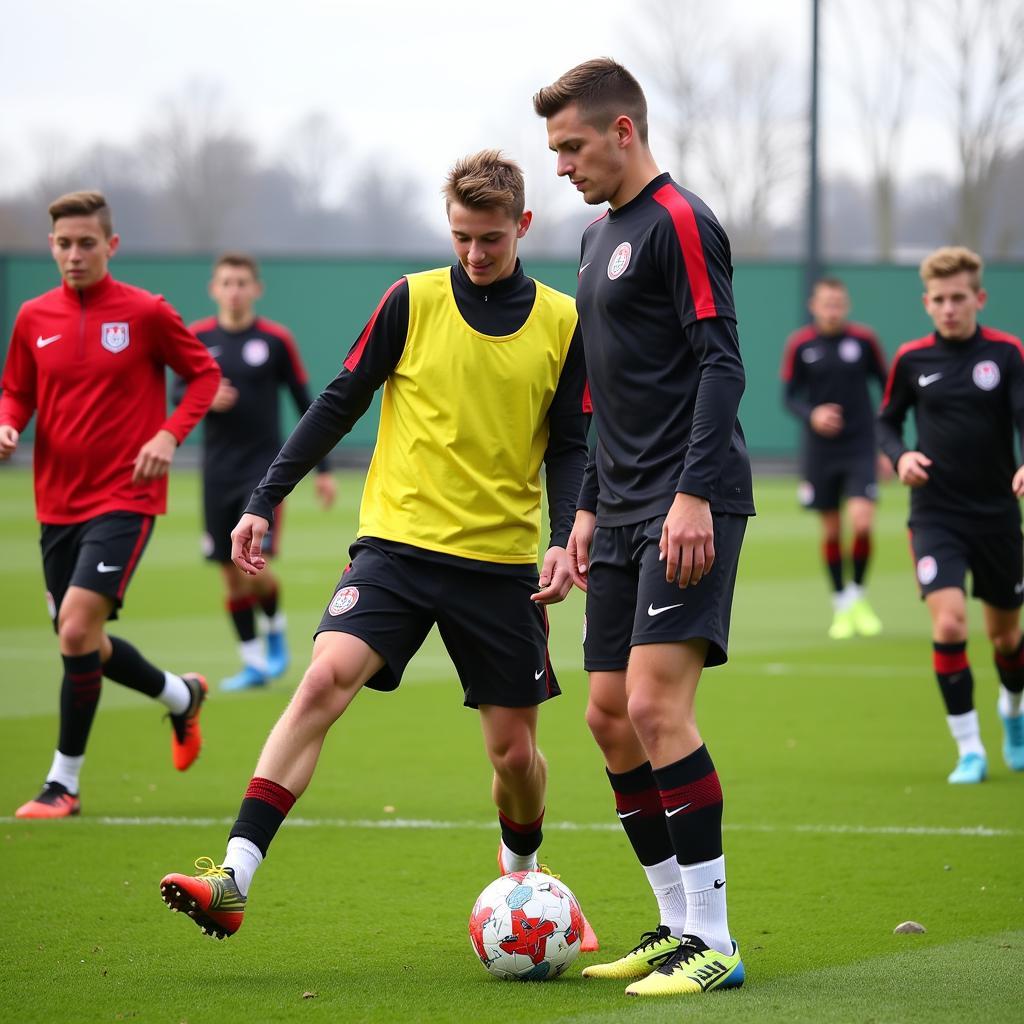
(65, 770)
(705, 903)
(243, 857)
(967, 733)
(1009, 703)
(841, 600)
(517, 861)
(854, 592)
(175, 696)
(252, 655)
(667, 885)
(272, 623)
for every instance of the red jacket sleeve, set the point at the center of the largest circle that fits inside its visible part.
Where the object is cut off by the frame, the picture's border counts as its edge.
(190, 359)
(18, 401)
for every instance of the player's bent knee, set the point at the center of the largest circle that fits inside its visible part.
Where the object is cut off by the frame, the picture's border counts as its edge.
(950, 629)
(607, 727)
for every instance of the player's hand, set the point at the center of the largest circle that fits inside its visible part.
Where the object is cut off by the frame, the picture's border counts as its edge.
(225, 398)
(326, 489)
(912, 469)
(555, 577)
(688, 541)
(1018, 483)
(247, 543)
(577, 549)
(827, 419)
(8, 442)
(155, 456)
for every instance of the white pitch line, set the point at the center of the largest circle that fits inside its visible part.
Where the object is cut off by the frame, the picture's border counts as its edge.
(432, 825)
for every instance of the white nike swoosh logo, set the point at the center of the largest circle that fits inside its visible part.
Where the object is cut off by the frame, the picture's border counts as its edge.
(923, 381)
(676, 810)
(214, 350)
(651, 610)
(103, 567)
(42, 342)
(628, 814)
(537, 675)
(584, 267)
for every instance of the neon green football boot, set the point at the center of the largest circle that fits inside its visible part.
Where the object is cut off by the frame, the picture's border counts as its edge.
(865, 621)
(643, 958)
(691, 969)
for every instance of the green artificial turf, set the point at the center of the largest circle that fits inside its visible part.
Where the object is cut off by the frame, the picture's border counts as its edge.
(833, 758)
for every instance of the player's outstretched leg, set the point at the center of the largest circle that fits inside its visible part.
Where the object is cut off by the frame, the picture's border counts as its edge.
(211, 898)
(215, 898)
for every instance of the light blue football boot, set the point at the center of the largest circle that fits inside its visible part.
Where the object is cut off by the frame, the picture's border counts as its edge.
(249, 678)
(970, 769)
(278, 657)
(1013, 741)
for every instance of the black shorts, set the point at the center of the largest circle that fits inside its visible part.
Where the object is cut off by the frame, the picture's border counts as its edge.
(100, 554)
(629, 601)
(495, 635)
(827, 481)
(943, 555)
(222, 508)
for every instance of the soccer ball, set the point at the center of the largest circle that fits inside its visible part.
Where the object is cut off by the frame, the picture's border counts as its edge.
(526, 925)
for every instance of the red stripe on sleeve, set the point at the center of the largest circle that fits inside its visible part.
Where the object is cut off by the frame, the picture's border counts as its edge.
(991, 334)
(357, 352)
(910, 346)
(796, 339)
(289, 343)
(692, 247)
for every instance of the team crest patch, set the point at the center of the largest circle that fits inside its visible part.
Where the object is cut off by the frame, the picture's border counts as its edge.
(849, 350)
(343, 600)
(927, 570)
(986, 375)
(620, 261)
(255, 351)
(114, 337)
(805, 492)
(51, 606)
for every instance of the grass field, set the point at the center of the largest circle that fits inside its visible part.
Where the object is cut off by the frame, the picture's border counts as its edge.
(833, 757)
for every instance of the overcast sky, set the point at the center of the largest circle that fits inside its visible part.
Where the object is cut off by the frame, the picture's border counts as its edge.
(411, 83)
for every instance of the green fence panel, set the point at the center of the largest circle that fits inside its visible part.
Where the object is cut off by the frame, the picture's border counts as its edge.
(326, 302)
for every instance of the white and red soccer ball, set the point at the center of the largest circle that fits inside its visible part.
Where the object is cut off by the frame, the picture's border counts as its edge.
(527, 926)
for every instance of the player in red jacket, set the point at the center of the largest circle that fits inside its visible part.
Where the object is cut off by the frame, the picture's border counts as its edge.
(89, 359)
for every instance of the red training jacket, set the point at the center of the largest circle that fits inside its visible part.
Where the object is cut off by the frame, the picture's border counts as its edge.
(92, 363)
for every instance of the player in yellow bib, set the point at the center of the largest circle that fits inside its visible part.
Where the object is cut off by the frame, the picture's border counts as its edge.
(484, 382)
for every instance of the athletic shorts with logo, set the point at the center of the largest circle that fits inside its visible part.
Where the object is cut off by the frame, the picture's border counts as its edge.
(100, 554)
(222, 508)
(943, 555)
(827, 481)
(495, 635)
(629, 601)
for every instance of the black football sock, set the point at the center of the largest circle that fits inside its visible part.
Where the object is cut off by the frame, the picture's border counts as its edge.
(79, 698)
(639, 810)
(129, 668)
(691, 797)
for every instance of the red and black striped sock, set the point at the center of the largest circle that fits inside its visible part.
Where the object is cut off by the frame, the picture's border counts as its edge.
(79, 698)
(834, 563)
(956, 682)
(243, 616)
(1011, 669)
(691, 796)
(861, 555)
(638, 806)
(522, 839)
(264, 807)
